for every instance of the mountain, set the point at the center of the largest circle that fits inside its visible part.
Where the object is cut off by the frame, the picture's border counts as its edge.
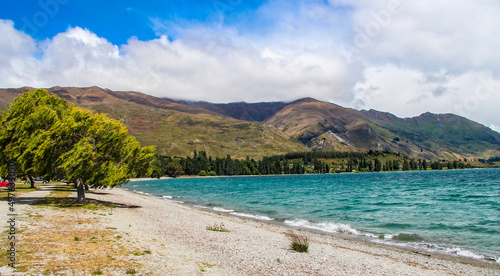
(254, 112)
(445, 135)
(258, 129)
(176, 129)
(326, 126)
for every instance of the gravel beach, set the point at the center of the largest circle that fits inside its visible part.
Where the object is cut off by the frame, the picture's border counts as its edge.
(160, 237)
(180, 243)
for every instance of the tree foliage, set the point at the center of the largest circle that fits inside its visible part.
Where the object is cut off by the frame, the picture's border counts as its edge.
(51, 138)
(199, 163)
(24, 129)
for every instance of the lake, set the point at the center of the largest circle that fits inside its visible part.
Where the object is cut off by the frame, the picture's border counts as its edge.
(454, 212)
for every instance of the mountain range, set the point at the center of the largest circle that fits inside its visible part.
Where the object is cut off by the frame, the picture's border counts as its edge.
(242, 129)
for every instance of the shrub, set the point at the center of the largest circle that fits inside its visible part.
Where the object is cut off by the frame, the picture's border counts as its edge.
(202, 173)
(218, 228)
(212, 173)
(298, 243)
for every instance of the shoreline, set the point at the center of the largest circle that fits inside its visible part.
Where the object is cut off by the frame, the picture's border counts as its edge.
(330, 173)
(424, 246)
(348, 237)
(260, 247)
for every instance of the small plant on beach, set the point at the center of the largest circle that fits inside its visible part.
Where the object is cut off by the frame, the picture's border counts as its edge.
(218, 228)
(298, 243)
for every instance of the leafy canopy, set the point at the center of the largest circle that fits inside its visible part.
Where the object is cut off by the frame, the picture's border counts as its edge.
(51, 138)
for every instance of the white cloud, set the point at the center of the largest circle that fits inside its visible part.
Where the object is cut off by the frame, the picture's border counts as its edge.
(212, 67)
(401, 56)
(409, 92)
(431, 35)
(429, 56)
(16, 50)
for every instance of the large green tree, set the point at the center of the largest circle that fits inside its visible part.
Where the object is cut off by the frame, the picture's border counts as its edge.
(51, 138)
(23, 133)
(100, 152)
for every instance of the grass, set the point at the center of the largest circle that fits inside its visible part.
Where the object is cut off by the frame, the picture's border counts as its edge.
(298, 243)
(218, 228)
(59, 198)
(68, 239)
(20, 189)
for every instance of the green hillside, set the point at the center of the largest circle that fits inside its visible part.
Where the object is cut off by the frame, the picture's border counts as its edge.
(178, 128)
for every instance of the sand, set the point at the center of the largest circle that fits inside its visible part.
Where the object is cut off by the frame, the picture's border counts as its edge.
(180, 244)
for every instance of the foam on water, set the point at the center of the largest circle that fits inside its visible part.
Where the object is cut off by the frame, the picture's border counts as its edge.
(329, 227)
(257, 217)
(222, 210)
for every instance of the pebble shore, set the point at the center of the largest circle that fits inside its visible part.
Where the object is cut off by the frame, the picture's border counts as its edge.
(180, 243)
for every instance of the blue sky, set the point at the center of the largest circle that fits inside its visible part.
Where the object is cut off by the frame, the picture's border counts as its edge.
(118, 20)
(401, 56)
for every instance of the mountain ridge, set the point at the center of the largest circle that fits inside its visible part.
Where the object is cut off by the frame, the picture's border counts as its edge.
(259, 129)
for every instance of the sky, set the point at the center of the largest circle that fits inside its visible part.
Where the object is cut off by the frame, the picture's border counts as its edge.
(398, 56)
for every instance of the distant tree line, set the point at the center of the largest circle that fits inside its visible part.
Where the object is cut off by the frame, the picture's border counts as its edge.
(203, 165)
(294, 163)
(490, 160)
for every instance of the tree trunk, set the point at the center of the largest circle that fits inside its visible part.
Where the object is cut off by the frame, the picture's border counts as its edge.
(32, 182)
(80, 190)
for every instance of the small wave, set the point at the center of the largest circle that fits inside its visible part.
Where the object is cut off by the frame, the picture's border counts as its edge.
(412, 241)
(464, 253)
(167, 197)
(258, 217)
(142, 193)
(218, 209)
(329, 227)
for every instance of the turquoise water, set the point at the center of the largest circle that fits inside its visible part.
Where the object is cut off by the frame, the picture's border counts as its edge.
(451, 212)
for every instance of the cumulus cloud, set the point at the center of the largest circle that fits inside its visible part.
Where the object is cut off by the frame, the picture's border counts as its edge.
(430, 35)
(409, 92)
(399, 56)
(427, 56)
(211, 67)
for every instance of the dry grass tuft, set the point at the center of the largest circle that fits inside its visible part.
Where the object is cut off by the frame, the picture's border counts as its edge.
(299, 243)
(218, 228)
